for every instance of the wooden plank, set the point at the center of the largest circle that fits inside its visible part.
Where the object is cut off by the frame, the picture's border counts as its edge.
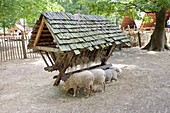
(63, 69)
(49, 58)
(44, 58)
(59, 58)
(46, 44)
(6, 54)
(49, 28)
(11, 49)
(110, 52)
(51, 68)
(53, 55)
(45, 31)
(20, 47)
(48, 49)
(14, 49)
(66, 75)
(42, 35)
(42, 40)
(39, 31)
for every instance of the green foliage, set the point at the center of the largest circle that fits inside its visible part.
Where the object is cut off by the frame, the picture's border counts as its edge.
(148, 19)
(73, 6)
(12, 10)
(7, 13)
(30, 9)
(125, 7)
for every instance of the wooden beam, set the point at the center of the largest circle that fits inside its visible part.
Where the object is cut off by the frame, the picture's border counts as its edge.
(42, 35)
(108, 54)
(53, 56)
(51, 68)
(63, 69)
(50, 29)
(48, 44)
(44, 58)
(39, 31)
(111, 50)
(66, 75)
(49, 49)
(49, 58)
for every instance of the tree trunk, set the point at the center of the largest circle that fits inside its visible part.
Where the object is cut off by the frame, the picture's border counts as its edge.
(23, 45)
(23, 41)
(4, 28)
(158, 41)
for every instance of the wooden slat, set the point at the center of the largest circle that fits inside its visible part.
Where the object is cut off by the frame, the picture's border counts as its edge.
(49, 58)
(49, 49)
(66, 75)
(42, 35)
(110, 52)
(45, 31)
(44, 58)
(51, 68)
(42, 40)
(39, 31)
(48, 26)
(46, 43)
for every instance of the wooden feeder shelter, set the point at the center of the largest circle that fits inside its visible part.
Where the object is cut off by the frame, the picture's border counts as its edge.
(66, 40)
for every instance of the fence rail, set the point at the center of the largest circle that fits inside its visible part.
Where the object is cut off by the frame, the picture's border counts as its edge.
(11, 48)
(144, 35)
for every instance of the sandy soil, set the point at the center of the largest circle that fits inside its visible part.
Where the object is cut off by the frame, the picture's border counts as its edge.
(144, 87)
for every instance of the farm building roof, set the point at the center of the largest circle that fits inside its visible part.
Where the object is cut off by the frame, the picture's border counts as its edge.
(68, 32)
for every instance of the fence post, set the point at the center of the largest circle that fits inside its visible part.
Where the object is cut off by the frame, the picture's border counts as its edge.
(23, 46)
(139, 39)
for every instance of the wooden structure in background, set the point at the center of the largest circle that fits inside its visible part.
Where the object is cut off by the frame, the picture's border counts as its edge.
(127, 21)
(149, 25)
(69, 40)
(144, 25)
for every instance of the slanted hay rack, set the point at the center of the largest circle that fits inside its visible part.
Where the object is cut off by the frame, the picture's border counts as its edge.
(68, 40)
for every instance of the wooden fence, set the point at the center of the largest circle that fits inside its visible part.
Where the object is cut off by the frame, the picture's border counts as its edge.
(144, 37)
(11, 48)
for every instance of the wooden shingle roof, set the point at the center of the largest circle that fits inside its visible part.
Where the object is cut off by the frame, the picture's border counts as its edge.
(70, 40)
(68, 32)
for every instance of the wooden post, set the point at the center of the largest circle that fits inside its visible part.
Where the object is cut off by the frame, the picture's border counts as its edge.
(62, 70)
(139, 39)
(23, 46)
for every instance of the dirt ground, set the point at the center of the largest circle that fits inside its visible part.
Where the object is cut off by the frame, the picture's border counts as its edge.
(144, 87)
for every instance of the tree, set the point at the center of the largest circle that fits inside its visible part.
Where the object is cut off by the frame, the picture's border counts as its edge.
(158, 41)
(12, 10)
(73, 6)
(7, 13)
